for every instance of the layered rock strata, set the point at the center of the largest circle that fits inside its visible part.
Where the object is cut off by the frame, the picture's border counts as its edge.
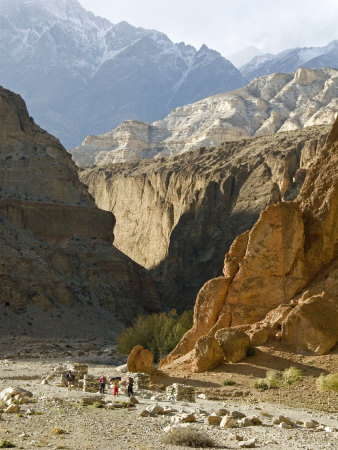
(177, 216)
(57, 262)
(269, 104)
(282, 275)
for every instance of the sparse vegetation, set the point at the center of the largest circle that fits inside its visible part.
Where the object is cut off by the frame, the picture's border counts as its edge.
(291, 375)
(273, 379)
(328, 382)
(261, 384)
(159, 333)
(6, 444)
(188, 437)
(228, 382)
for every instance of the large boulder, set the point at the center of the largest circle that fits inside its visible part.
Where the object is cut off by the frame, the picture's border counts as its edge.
(207, 354)
(234, 343)
(312, 326)
(140, 360)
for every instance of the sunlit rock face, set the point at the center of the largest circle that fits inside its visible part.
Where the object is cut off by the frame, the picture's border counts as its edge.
(281, 276)
(178, 216)
(270, 104)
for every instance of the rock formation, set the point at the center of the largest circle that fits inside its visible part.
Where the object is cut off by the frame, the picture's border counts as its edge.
(282, 274)
(177, 216)
(140, 360)
(269, 104)
(56, 253)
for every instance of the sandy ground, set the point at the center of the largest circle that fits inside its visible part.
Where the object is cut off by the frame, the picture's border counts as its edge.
(96, 428)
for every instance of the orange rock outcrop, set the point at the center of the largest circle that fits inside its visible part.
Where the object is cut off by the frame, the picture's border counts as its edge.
(288, 258)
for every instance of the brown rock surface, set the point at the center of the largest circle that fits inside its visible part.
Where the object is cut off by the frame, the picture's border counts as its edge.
(234, 343)
(292, 246)
(207, 354)
(140, 360)
(59, 273)
(177, 216)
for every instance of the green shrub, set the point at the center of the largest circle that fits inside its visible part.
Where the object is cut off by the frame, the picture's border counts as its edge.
(228, 382)
(159, 333)
(328, 382)
(291, 375)
(188, 437)
(6, 444)
(261, 384)
(273, 379)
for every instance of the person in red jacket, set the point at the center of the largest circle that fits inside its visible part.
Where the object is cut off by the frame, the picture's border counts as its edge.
(103, 381)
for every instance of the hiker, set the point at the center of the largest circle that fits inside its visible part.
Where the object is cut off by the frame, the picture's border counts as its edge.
(70, 379)
(116, 383)
(102, 383)
(130, 384)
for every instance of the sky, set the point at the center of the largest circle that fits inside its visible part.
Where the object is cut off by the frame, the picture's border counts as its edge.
(229, 26)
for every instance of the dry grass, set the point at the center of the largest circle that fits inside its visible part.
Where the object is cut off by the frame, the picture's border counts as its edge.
(188, 437)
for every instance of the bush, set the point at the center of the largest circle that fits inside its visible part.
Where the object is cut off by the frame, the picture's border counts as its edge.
(159, 333)
(6, 444)
(273, 379)
(188, 437)
(228, 382)
(327, 383)
(291, 375)
(261, 384)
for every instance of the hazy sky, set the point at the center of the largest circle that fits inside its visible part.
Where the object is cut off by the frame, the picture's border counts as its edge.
(229, 25)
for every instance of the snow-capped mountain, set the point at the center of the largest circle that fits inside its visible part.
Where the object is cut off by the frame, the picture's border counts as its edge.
(81, 74)
(244, 56)
(269, 104)
(290, 60)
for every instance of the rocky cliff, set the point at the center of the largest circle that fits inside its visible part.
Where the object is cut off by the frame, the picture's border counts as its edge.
(177, 216)
(280, 278)
(269, 104)
(56, 245)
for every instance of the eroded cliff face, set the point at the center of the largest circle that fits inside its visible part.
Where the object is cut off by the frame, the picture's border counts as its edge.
(269, 104)
(56, 253)
(178, 216)
(280, 278)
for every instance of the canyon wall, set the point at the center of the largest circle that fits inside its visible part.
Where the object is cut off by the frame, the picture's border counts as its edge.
(281, 277)
(56, 244)
(177, 216)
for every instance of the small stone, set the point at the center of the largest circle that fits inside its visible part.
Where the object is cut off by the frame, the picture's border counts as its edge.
(245, 422)
(12, 409)
(311, 424)
(255, 420)
(284, 425)
(237, 415)
(184, 418)
(235, 437)
(222, 412)
(156, 409)
(251, 443)
(227, 422)
(213, 419)
(133, 401)
(279, 419)
(144, 413)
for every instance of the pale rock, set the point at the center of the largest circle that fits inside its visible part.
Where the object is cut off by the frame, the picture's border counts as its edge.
(251, 443)
(262, 107)
(227, 422)
(280, 419)
(244, 422)
(90, 400)
(222, 412)
(155, 409)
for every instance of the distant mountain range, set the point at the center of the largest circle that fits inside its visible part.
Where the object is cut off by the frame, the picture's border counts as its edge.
(269, 104)
(81, 74)
(290, 60)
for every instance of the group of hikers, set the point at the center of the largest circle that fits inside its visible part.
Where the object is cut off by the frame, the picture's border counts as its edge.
(103, 382)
